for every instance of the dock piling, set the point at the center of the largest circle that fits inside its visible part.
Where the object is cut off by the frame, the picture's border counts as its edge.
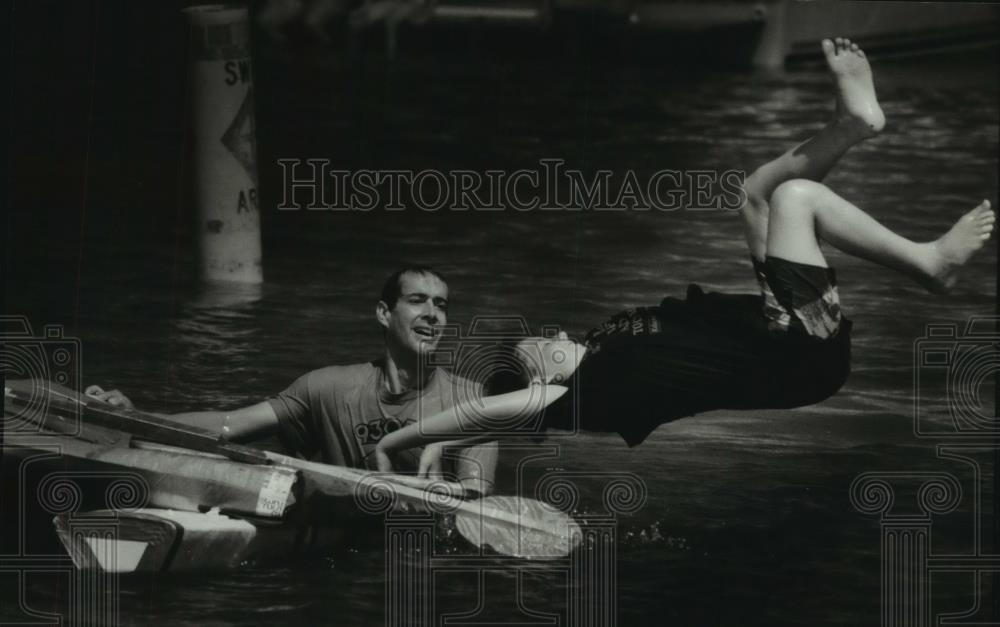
(224, 144)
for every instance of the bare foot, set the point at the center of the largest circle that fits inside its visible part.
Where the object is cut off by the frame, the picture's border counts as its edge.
(857, 105)
(952, 250)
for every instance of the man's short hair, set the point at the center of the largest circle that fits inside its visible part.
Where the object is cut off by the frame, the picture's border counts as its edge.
(507, 372)
(392, 288)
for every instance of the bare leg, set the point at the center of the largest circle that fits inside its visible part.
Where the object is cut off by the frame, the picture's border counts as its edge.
(857, 117)
(804, 212)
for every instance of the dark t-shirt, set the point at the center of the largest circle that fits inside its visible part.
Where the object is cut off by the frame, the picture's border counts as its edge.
(339, 413)
(651, 365)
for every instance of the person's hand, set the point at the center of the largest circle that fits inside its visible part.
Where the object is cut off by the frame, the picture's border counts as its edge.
(112, 397)
(430, 461)
(382, 460)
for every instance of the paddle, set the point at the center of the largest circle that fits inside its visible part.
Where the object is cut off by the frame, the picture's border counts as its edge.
(514, 526)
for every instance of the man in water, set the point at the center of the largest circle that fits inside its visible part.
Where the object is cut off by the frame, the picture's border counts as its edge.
(338, 414)
(787, 347)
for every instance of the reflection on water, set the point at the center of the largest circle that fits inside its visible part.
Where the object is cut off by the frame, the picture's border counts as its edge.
(751, 516)
(214, 338)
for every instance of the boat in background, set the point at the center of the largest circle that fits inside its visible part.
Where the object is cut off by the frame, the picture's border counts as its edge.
(773, 33)
(884, 28)
(763, 33)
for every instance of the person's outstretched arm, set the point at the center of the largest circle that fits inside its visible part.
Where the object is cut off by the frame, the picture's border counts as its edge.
(467, 419)
(242, 424)
(246, 423)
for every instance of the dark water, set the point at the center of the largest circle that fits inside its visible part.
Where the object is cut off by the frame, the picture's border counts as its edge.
(748, 518)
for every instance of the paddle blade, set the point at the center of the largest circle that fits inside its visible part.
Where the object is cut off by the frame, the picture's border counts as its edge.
(518, 527)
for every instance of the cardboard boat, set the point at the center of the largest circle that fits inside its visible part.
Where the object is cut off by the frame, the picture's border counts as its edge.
(177, 497)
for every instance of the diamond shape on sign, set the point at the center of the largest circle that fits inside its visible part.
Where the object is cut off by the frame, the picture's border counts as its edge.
(239, 137)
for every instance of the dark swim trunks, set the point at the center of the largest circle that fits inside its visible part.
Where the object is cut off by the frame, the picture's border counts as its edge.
(799, 297)
(787, 347)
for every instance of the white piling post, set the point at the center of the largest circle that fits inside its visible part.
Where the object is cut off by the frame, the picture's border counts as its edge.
(224, 144)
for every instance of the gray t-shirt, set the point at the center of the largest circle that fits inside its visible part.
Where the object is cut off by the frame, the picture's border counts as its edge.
(338, 414)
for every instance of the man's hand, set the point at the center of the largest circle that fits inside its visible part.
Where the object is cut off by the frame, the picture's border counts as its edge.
(430, 461)
(382, 461)
(113, 397)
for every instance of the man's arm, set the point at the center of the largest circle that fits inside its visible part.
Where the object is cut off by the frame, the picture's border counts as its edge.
(466, 419)
(476, 466)
(247, 423)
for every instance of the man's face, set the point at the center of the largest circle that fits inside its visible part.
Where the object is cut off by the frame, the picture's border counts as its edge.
(413, 323)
